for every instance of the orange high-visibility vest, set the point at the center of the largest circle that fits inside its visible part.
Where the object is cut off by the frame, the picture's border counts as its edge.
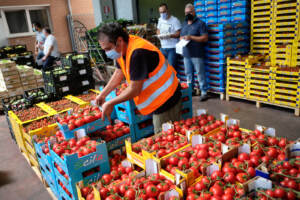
(161, 84)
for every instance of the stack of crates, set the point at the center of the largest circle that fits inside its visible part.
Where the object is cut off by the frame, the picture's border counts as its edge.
(225, 40)
(222, 11)
(261, 18)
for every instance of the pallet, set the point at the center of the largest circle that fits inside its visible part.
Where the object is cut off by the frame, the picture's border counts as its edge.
(258, 103)
(39, 175)
(222, 94)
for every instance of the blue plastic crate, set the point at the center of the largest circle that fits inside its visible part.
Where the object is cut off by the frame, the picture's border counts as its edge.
(74, 166)
(212, 13)
(200, 9)
(241, 24)
(241, 31)
(222, 6)
(211, 7)
(220, 49)
(236, 4)
(222, 34)
(220, 56)
(216, 82)
(187, 109)
(218, 69)
(199, 3)
(214, 75)
(210, 2)
(242, 38)
(182, 78)
(242, 45)
(239, 11)
(224, 1)
(235, 18)
(224, 19)
(142, 132)
(51, 181)
(201, 15)
(220, 27)
(224, 12)
(222, 41)
(118, 143)
(216, 89)
(242, 51)
(211, 20)
(89, 128)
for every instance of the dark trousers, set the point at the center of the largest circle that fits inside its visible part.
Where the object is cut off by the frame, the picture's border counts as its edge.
(48, 63)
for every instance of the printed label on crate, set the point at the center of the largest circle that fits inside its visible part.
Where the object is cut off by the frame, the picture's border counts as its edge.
(295, 149)
(167, 126)
(201, 112)
(225, 148)
(260, 183)
(63, 78)
(170, 193)
(82, 72)
(211, 168)
(86, 82)
(65, 89)
(260, 128)
(80, 61)
(80, 133)
(223, 117)
(245, 148)
(231, 122)
(270, 132)
(151, 167)
(197, 139)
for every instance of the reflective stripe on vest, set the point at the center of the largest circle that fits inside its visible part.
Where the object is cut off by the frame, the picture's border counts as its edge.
(163, 88)
(156, 76)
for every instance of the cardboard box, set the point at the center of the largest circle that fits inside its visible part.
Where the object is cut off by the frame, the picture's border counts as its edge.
(15, 91)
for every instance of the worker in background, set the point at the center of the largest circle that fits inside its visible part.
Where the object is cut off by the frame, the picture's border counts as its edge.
(50, 49)
(168, 29)
(39, 41)
(194, 30)
(152, 82)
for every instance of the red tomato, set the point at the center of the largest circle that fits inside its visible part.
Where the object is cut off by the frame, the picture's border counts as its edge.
(151, 191)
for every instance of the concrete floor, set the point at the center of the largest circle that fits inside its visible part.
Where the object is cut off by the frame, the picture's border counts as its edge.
(18, 181)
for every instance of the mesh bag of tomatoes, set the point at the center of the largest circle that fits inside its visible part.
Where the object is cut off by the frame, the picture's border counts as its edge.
(134, 187)
(111, 132)
(202, 124)
(162, 144)
(193, 160)
(276, 193)
(213, 188)
(287, 173)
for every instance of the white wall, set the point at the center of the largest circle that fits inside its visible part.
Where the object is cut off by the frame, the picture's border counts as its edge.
(125, 9)
(3, 39)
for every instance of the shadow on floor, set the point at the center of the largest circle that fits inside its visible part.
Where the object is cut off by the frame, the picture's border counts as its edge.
(5, 178)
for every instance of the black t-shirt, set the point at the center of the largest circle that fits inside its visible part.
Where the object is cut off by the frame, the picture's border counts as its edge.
(142, 63)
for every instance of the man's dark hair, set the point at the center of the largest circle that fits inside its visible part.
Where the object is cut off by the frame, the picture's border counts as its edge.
(112, 31)
(37, 24)
(48, 30)
(164, 4)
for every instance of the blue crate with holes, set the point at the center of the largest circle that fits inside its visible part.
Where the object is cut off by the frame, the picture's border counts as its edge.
(200, 9)
(210, 2)
(241, 24)
(235, 18)
(199, 3)
(239, 11)
(88, 168)
(239, 4)
(212, 13)
(142, 129)
(187, 103)
(220, 49)
(46, 167)
(222, 41)
(224, 1)
(216, 82)
(216, 28)
(225, 12)
(224, 6)
(216, 89)
(242, 45)
(201, 15)
(242, 38)
(214, 75)
(211, 7)
(220, 56)
(224, 19)
(218, 68)
(242, 31)
(211, 20)
(222, 34)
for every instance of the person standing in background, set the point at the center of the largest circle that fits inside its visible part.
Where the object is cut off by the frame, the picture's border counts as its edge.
(195, 31)
(50, 49)
(169, 26)
(39, 41)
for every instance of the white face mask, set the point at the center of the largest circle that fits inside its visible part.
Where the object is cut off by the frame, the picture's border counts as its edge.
(113, 54)
(164, 16)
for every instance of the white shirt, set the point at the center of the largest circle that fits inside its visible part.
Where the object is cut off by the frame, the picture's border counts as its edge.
(169, 26)
(40, 38)
(51, 41)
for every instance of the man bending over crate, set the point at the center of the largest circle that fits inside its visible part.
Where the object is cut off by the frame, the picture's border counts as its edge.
(152, 82)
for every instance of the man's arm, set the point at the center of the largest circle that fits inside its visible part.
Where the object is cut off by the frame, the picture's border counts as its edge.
(176, 34)
(202, 38)
(158, 32)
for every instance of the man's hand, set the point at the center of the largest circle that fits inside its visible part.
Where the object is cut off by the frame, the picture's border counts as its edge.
(107, 109)
(187, 37)
(100, 99)
(44, 58)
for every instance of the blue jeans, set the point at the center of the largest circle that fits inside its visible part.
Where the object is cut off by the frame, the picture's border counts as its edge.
(48, 63)
(170, 54)
(197, 65)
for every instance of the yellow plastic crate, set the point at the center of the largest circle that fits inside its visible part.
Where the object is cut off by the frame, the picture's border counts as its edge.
(76, 100)
(46, 108)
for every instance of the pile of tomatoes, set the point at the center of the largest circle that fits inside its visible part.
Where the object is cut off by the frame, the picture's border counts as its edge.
(202, 123)
(193, 159)
(214, 188)
(121, 88)
(82, 147)
(30, 113)
(111, 132)
(80, 117)
(62, 105)
(276, 193)
(87, 97)
(44, 140)
(39, 124)
(163, 143)
(287, 173)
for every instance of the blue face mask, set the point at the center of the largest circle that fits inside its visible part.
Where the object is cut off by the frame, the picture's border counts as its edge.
(33, 29)
(112, 54)
(164, 15)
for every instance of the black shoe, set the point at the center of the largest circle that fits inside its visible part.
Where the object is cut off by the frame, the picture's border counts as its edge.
(203, 97)
(194, 93)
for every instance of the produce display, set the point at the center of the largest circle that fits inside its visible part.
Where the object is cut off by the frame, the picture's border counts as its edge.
(30, 113)
(15, 103)
(37, 95)
(62, 105)
(87, 97)
(275, 193)
(111, 132)
(39, 124)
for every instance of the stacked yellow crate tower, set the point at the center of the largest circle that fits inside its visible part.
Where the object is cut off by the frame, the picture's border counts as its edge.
(271, 74)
